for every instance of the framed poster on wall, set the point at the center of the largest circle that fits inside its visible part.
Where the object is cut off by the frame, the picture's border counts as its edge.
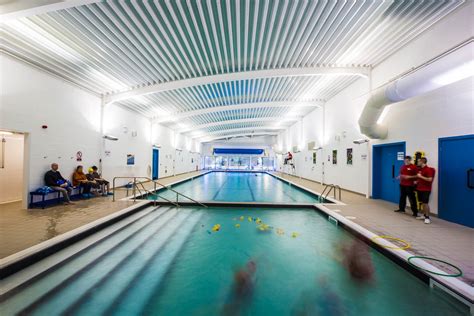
(349, 156)
(334, 157)
(314, 158)
(130, 159)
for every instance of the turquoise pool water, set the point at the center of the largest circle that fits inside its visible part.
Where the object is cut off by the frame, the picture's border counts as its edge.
(169, 261)
(240, 187)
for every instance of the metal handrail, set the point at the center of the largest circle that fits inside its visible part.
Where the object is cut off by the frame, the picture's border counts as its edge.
(155, 194)
(155, 183)
(331, 187)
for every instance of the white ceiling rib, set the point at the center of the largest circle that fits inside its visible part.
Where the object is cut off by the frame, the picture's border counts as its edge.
(216, 65)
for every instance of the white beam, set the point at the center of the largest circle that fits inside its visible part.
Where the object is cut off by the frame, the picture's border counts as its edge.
(248, 130)
(242, 106)
(25, 8)
(235, 76)
(275, 119)
(210, 139)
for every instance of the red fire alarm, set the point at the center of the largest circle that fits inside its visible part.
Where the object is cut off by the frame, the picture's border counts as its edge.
(44, 126)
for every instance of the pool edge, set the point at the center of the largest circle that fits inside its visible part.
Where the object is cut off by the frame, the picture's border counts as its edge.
(463, 292)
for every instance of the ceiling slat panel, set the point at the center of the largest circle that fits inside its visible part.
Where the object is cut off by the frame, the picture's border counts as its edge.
(116, 46)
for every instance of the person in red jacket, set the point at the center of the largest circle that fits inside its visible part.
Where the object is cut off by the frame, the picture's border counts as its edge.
(407, 178)
(289, 157)
(424, 183)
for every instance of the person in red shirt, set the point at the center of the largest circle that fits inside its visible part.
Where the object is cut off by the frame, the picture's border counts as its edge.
(424, 183)
(289, 157)
(407, 178)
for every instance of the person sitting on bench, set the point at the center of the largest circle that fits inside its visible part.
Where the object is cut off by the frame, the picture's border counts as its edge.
(94, 175)
(289, 157)
(80, 179)
(55, 181)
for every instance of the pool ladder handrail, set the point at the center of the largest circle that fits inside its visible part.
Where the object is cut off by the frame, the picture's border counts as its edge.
(135, 187)
(329, 188)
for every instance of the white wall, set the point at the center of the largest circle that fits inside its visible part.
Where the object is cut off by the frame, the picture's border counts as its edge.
(30, 98)
(11, 176)
(178, 154)
(419, 121)
(134, 137)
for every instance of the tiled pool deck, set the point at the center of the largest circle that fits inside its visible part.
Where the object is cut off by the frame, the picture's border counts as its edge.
(450, 242)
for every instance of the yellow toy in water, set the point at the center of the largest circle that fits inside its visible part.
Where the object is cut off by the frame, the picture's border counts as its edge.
(280, 231)
(263, 227)
(237, 225)
(242, 218)
(258, 221)
(216, 228)
(294, 235)
(249, 218)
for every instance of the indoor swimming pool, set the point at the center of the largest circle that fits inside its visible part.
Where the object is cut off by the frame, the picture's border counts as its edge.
(178, 261)
(240, 187)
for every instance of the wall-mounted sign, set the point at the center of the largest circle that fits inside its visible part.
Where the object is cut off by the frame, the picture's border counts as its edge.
(130, 159)
(314, 158)
(79, 156)
(400, 155)
(349, 156)
(107, 153)
(334, 157)
(363, 156)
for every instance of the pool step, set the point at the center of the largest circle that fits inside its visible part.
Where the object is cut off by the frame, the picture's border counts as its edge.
(60, 299)
(109, 290)
(63, 275)
(134, 299)
(22, 278)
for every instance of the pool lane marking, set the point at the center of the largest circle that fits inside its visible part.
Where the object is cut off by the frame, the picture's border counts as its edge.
(219, 190)
(250, 188)
(285, 193)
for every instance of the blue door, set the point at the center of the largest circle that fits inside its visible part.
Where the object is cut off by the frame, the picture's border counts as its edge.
(155, 163)
(456, 179)
(387, 160)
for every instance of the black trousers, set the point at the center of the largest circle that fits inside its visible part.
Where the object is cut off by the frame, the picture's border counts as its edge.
(407, 191)
(86, 187)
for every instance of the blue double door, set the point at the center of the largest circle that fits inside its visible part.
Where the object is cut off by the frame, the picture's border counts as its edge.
(387, 160)
(456, 179)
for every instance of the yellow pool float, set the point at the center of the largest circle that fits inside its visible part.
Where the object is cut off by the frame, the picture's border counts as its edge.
(280, 231)
(241, 218)
(216, 228)
(294, 234)
(249, 218)
(237, 225)
(258, 221)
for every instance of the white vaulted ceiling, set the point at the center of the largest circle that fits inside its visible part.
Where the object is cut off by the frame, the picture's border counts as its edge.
(218, 68)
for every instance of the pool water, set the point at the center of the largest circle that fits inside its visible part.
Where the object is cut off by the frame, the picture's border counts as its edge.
(240, 187)
(169, 261)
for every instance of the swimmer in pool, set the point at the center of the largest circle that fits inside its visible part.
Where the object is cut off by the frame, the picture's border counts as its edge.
(320, 301)
(357, 260)
(242, 289)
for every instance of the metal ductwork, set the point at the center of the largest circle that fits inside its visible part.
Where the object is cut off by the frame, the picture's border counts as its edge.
(450, 67)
